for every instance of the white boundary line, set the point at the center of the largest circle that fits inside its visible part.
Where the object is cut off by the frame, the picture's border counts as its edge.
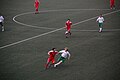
(113, 30)
(14, 18)
(18, 42)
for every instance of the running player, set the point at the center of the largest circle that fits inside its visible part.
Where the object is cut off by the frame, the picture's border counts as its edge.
(112, 4)
(1, 22)
(68, 25)
(36, 5)
(100, 21)
(51, 57)
(64, 54)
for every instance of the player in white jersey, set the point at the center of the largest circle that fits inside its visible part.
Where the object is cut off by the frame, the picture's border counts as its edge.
(1, 22)
(100, 20)
(64, 54)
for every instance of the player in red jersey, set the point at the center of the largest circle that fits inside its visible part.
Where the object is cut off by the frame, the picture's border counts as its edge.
(51, 57)
(68, 25)
(36, 5)
(112, 4)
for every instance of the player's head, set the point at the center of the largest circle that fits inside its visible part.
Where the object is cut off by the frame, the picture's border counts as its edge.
(68, 19)
(36, 0)
(66, 48)
(53, 49)
(100, 15)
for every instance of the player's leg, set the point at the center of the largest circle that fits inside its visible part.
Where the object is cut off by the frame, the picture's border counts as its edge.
(113, 5)
(100, 27)
(36, 10)
(48, 62)
(55, 65)
(70, 32)
(53, 62)
(3, 29)
(60, 60)
(2, 26)
(66, 34)
(110, 4)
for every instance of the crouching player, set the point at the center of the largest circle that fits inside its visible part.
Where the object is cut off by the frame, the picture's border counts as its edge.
(52, 53)
(68, 27)
(64, 54)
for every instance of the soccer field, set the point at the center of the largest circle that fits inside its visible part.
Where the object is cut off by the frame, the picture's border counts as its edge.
(28, 37)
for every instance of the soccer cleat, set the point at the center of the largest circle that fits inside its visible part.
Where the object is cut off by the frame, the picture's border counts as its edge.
(3, 30)
(55, 65)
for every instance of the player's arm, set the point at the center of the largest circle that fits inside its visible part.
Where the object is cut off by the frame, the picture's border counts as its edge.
(39, 1)
(34, 4)
(60, 52)
(2, 19)
(71, 24)
(103, 20)
(49, 52)
(97, 20)
(57, 52)
(69, 55)
(65, 26)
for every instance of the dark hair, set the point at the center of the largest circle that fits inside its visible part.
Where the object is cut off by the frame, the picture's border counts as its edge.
(53, 48)
(68, 19)
(66, 48)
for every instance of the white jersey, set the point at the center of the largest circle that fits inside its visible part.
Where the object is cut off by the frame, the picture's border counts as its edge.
(1, 19)
(64, 53)
(100, 19)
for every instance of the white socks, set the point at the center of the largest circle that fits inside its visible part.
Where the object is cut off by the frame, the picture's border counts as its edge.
(55, 65)
(3, 28)
(100, 30)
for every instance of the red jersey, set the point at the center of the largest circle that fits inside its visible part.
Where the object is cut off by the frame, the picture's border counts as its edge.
(36, 3)
(68, 25)
(52, 54)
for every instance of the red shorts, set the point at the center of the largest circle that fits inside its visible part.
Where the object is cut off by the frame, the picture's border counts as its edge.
(68, 29)
(51, 60)
(112, 2)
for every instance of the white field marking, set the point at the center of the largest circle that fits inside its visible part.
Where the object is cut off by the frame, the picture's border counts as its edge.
(28, 24)
(14, 18)
(18, 42)
(30, 38)
(113, 30)
(34, 26)
(96, 17)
